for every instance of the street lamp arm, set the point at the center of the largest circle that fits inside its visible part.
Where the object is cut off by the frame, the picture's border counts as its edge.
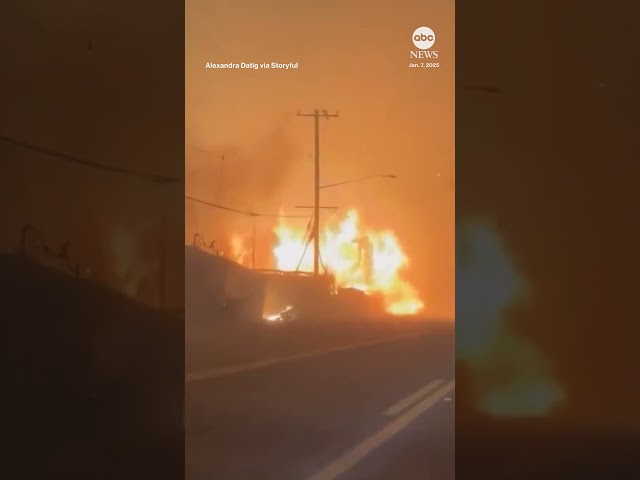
(361, 179)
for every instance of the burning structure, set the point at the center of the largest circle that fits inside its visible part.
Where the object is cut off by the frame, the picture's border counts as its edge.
(362, 259)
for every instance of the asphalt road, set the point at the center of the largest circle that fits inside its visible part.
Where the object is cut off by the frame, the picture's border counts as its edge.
(345, 413)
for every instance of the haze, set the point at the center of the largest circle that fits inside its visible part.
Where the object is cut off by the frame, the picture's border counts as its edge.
(393, 120)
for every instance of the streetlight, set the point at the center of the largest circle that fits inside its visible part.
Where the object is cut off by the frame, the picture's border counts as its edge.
(361, 179)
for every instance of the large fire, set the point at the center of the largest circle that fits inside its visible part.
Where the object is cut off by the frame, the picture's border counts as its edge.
(371, 261)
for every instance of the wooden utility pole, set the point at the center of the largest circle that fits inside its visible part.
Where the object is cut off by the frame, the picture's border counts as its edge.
(253, 241)
(317, 114)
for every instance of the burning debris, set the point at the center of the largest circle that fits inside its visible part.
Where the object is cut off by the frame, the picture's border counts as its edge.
(285, 315)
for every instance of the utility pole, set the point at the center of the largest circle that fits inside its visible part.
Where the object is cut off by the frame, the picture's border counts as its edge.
(253, 246)
(317, 114)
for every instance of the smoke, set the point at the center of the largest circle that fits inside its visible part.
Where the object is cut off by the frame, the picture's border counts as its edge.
(241, 177)
(511, 377)
(249, 176)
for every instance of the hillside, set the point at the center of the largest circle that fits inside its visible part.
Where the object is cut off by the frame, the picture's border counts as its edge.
(95, 381)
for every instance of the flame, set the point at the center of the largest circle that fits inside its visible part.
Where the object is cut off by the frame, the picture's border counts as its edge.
(512, 378)
(133, 271)
(343, 250)
(239, 252)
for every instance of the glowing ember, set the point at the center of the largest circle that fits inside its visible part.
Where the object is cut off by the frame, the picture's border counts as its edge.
(284, 315)
(367, 260)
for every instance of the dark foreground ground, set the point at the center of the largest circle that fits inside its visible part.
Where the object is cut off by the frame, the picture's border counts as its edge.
(94, 388)
(291, 420)
(93, 384)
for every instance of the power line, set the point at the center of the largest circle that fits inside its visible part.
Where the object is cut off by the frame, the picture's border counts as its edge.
(242, 212)
(156, 178)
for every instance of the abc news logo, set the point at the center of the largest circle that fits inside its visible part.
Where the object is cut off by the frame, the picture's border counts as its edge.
(424, 38)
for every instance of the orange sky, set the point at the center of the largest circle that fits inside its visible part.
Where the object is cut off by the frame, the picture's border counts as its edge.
(353, 58)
